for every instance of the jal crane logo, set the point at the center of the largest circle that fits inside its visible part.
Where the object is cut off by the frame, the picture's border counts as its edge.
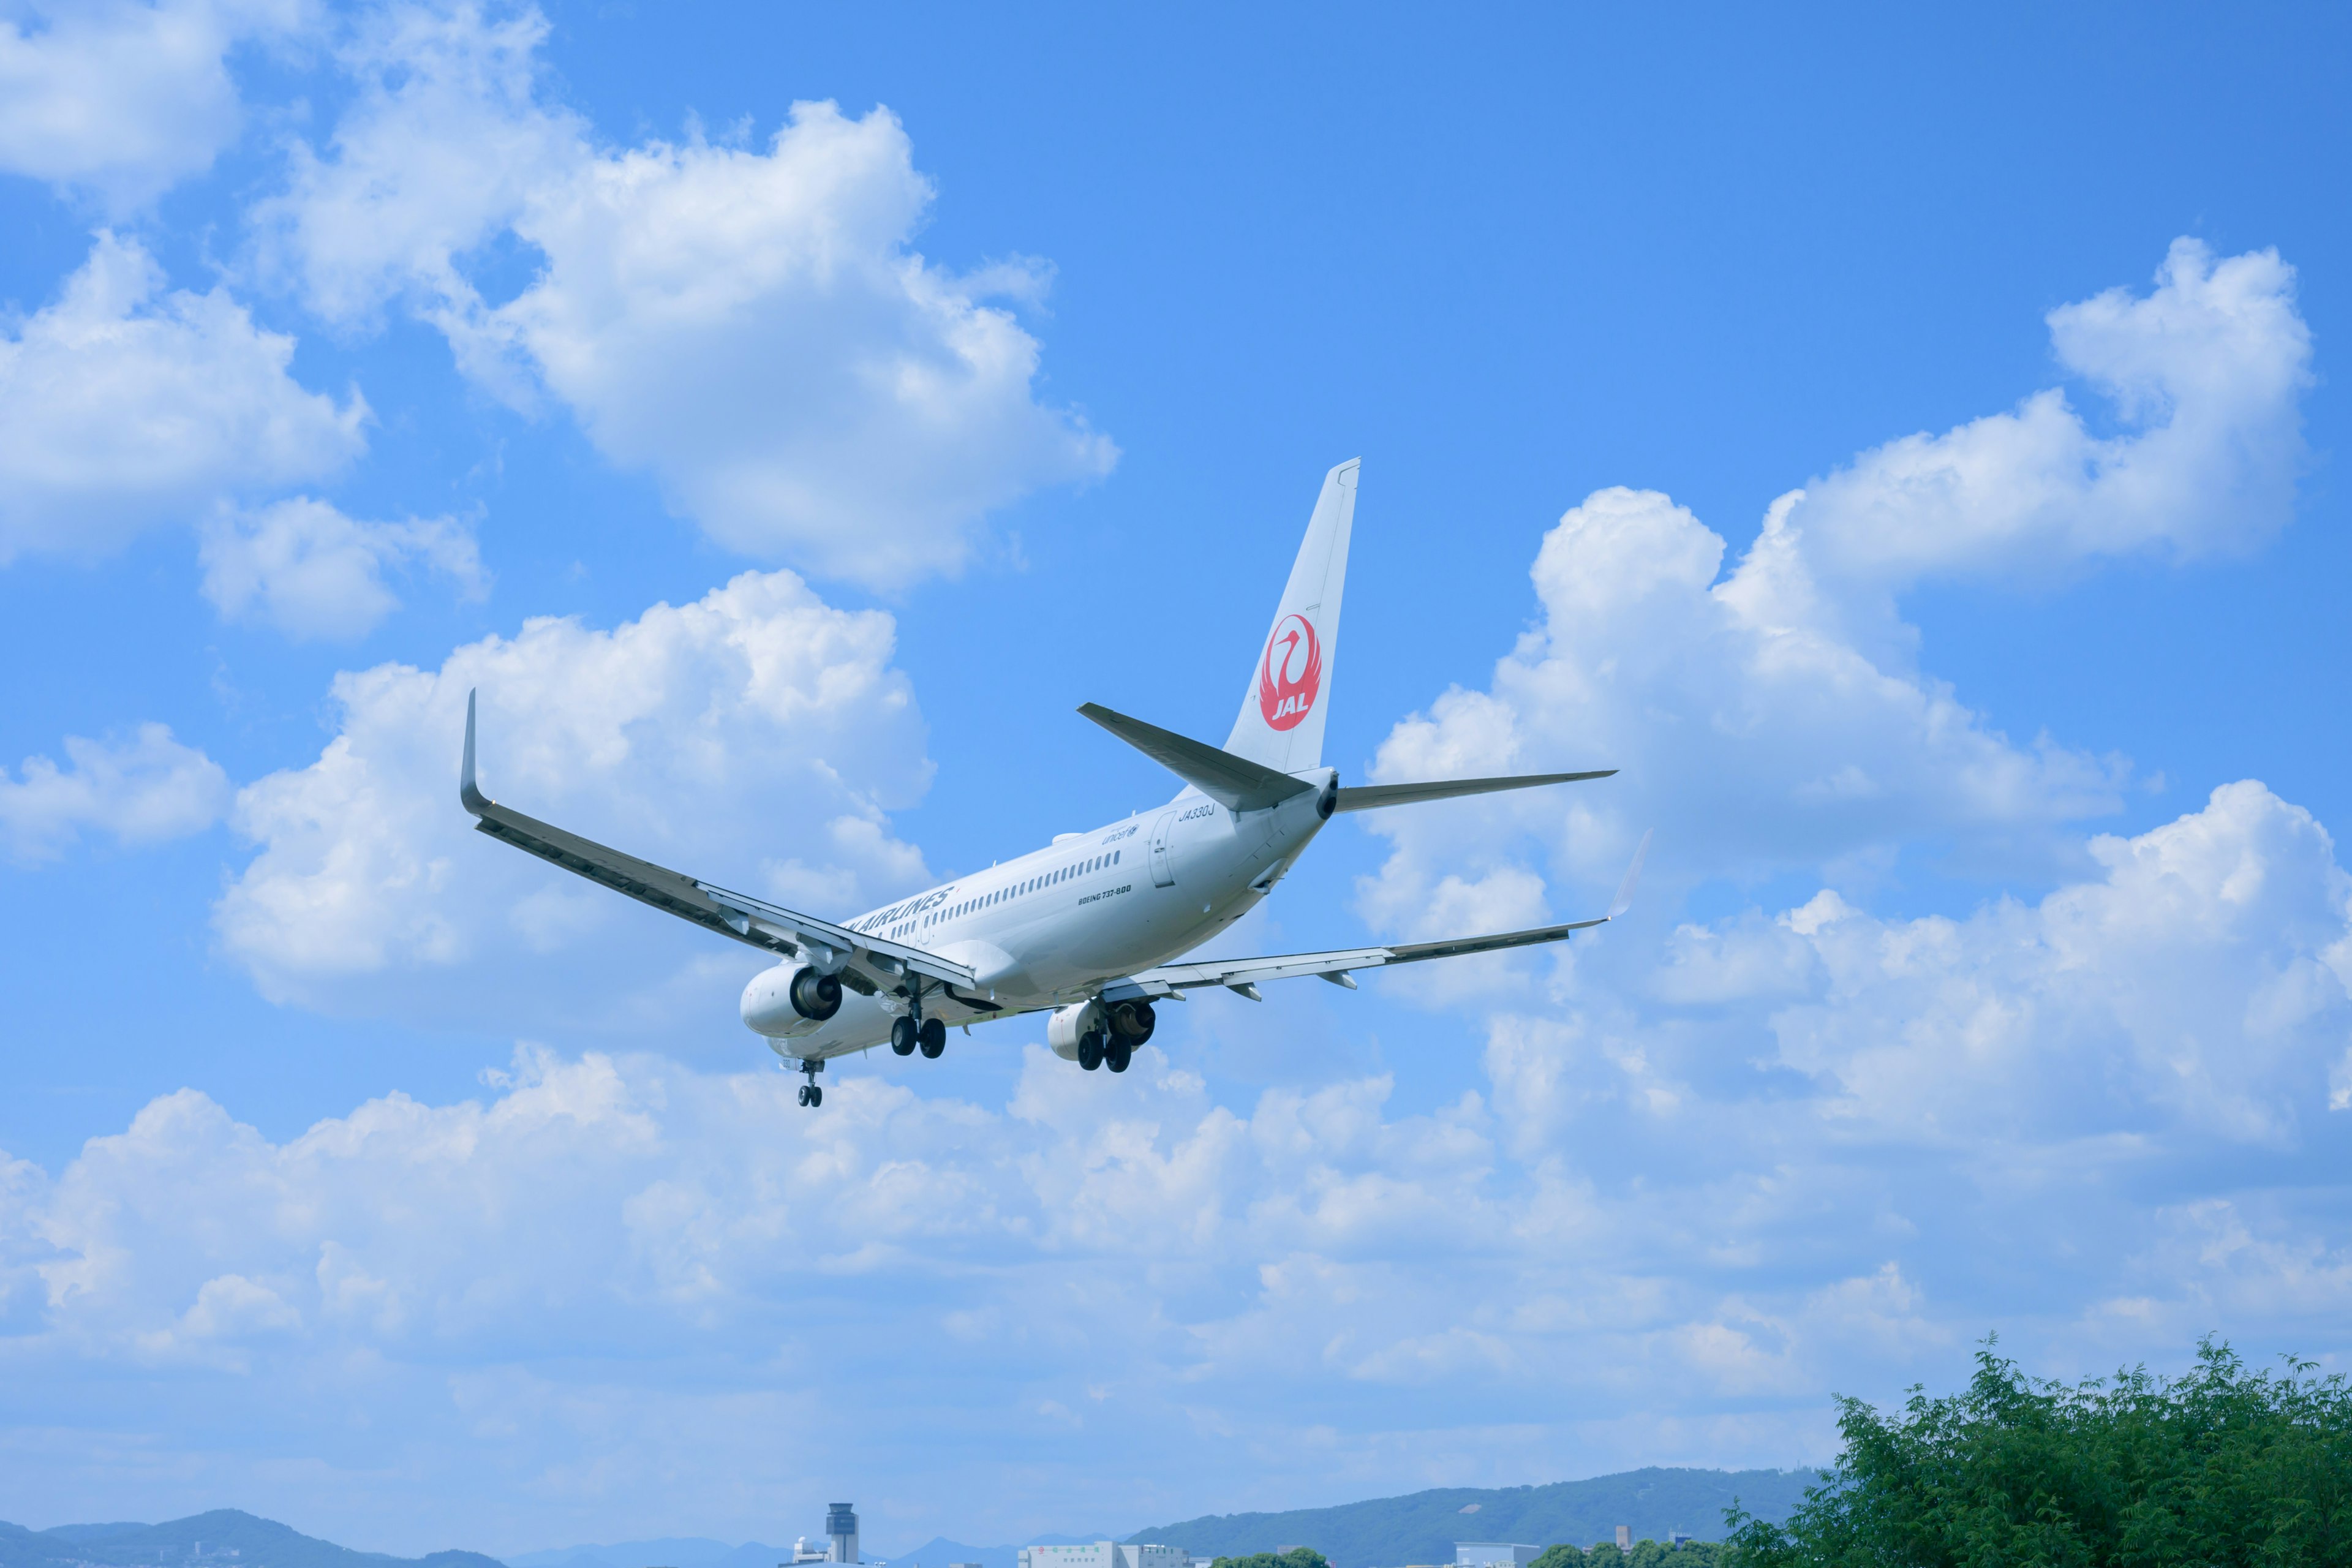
(1292, 673)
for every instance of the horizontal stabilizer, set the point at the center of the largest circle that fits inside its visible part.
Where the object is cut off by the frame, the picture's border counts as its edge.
(1371, 798)
(1233, 782)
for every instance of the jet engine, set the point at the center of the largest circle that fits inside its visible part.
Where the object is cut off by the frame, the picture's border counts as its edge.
(789, 998)
(1132, 1021)
(1068, 1024)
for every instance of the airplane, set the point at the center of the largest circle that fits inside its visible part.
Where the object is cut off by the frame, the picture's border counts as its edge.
(1085, 929)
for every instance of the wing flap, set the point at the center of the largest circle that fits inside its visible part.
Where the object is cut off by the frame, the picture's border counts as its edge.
(1333, 966)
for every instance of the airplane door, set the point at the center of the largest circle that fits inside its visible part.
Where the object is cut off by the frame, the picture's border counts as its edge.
(1163, 865)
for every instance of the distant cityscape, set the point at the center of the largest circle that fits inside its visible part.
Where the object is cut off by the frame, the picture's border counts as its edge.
(841, 1545)
(1639, 1517)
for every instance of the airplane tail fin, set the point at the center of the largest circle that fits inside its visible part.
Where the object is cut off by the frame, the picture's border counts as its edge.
(1289, 693)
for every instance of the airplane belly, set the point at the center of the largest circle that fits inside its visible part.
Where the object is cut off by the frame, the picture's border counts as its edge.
(862, 1022)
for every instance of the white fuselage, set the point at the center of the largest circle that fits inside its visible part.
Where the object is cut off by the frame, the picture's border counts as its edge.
(1053, 927)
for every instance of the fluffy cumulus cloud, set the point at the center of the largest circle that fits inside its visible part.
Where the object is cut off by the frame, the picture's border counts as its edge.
(123, 406)
(123, 98)
(749, 325)
(755, 737)
(615, 1278)
(2200, 984)
(656, 1332)
(140, 789)
(305, 568)
(1773, 718)
(2203, 376)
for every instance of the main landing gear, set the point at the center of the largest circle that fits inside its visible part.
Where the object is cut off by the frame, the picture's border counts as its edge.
(811, 1095)
(1101, 1049)
(915, 1030)
(1126, 1025)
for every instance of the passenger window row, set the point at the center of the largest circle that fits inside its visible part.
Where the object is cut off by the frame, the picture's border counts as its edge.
(1082, 869)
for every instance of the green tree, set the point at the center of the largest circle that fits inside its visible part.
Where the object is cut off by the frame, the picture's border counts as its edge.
(1297, 1557)
(2219, 1468)
(1560, 1557)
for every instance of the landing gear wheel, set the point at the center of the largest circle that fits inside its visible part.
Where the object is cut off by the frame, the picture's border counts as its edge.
(815, 1096)
(1116, 1054)
(932, 1037)
(903, 1035)
(1090, 1049)
(807, 1090)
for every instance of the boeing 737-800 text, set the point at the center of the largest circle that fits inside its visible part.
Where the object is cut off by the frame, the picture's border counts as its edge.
(1086, 928)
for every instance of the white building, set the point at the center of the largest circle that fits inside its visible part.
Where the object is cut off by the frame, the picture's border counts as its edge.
(1105, 1554)
(1494, 1554)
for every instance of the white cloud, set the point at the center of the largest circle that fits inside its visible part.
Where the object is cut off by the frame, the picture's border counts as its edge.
(1753, 748)
(123, 406)
(2202, 984)
(750, 327)
(437, 154)
(756, 736)
(1773, 719)
(2199, 990)
(312, 573)
(142, 790)
(125, 98)
(621, 1269)
(2204, 374)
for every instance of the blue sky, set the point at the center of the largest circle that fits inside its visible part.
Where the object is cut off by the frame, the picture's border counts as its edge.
(787, 416)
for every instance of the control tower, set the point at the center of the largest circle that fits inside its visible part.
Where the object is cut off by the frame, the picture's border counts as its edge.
(840, 1524)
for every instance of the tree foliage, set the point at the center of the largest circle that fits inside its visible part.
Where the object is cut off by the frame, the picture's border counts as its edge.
(2219, 1468)
(1297, 1557)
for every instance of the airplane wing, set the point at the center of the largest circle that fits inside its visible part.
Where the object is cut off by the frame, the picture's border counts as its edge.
(1241, 974)
(866, 962)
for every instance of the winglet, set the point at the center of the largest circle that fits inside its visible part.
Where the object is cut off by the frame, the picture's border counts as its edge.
(469, 793)
(1624, 899)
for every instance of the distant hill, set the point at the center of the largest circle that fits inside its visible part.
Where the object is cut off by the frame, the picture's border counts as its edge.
(669, 1551)
(698, 1551)
(223, 1539)
(938, 1551)
(1388, 1532)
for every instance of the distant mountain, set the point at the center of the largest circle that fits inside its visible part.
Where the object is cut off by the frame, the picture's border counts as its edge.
(666, 1550)
(223, 1539)
(938, 1551)
(1388, 1532)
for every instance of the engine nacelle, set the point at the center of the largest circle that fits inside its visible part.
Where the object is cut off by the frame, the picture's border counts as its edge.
(790, 999)
(1065, 1024)
(1132, 1021)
